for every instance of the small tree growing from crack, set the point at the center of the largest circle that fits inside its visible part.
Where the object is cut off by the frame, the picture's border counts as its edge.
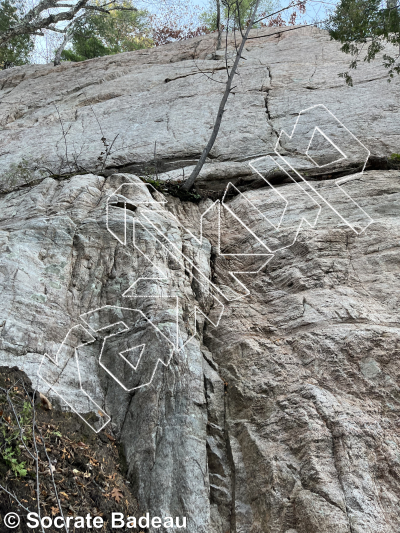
(188, 184)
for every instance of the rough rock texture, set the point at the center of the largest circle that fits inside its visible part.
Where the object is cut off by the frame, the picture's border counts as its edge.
(311, 366)
(58, 261)
(284, 416)
(164, 101)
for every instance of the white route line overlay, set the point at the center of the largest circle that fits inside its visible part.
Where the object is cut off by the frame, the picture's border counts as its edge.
(127, 328)
(54, 360)
(339, 182)
(143, 220)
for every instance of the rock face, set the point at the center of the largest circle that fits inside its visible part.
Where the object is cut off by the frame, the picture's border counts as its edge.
(274, 403)
(158, 106)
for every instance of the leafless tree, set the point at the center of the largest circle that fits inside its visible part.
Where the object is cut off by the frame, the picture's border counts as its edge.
(188, 184)
(68, 34)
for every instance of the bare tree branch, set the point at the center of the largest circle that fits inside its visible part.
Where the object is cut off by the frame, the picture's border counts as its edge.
(292, 5)
(219, 27)
(283, 30)
(38, 18)
(68, 32)
(188, 184)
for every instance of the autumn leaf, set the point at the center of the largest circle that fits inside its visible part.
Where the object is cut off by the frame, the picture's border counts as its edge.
(45, 402)
(116, 494)
(54, 510)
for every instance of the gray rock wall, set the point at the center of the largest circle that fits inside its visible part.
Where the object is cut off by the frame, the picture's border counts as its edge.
(283, 416)
(164, 101)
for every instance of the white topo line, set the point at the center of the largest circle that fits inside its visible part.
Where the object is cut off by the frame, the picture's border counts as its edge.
(144, 221)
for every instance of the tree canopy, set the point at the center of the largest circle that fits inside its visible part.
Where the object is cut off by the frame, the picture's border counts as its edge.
(99, 34)
(17, 50)
(365, 28)
(233, 13)
(55, 16)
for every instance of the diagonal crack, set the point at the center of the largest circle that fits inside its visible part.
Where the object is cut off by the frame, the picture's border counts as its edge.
(167, 80)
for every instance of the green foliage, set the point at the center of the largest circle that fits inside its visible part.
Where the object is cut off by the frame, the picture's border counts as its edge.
(15, 52)
(100, 34)
(234, 13)
(209, 18)
(364, 29)
(394, 162)
(11, 437)
(17, 467)
(174, 189)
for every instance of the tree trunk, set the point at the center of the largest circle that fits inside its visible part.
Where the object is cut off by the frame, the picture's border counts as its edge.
(188, 184)
(57, 58)
(219, 24)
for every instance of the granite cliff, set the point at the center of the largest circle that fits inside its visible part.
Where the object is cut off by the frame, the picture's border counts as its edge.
(274, 404)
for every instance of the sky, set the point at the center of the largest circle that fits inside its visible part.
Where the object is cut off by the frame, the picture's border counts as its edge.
(316, 9)
(44, 50)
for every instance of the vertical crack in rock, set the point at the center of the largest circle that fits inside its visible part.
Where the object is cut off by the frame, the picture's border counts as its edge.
(336, 460)
(305, 436)
(219, 463)
(266, 100)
